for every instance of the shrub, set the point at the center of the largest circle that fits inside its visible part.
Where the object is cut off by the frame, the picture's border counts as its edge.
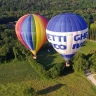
(40, 70)
(80, 64)
(56, 70)
(92, 62)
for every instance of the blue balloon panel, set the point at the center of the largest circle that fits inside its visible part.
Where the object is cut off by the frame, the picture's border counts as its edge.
(67, 22)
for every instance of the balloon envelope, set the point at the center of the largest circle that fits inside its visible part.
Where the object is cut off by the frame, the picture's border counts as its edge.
(31, 31)
(67, 33)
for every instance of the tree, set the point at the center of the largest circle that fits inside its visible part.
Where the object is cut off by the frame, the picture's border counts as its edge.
(56, 70)
(92, 62)
(80, 64)
(93, 31)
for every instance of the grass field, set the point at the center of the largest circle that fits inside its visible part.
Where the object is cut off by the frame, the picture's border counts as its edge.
(17, 72)
(89, 45)
(70, 84)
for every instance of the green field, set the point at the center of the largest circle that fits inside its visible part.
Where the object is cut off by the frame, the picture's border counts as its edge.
(89, 45)
(70, 84)
(18, 72)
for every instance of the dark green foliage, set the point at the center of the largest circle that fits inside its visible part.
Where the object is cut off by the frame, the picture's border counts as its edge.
(77, 56)
(13, 9)
(19, 53)
(39, 69)
(10, 47)
(92, 62)
(56, 70)
(7, 41)
(80, 64)
(83, 62)
(92, 32)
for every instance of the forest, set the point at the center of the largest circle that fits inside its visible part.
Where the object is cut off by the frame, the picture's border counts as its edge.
(12, 51)
(11, 11)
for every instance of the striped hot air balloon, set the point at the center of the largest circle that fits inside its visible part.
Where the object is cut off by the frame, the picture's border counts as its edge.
(31, 31)
(67, 33)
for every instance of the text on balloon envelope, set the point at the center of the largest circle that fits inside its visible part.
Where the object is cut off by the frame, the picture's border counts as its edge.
(59, 42)
(57, 38)
(64, 47)
(80, 36)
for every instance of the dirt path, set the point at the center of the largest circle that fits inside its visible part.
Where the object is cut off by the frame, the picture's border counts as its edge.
(92, 79)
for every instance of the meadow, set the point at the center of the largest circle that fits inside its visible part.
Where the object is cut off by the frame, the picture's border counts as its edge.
(88, 46)
(18, 78)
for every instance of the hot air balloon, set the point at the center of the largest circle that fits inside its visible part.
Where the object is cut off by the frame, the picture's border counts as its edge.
(67, 32)
(31, 31)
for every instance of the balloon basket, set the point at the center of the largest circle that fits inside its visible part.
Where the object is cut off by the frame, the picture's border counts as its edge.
(67, 64)
(34, 57)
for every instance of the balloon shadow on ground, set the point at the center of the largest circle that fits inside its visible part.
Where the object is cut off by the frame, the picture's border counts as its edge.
(50, 89)
(67, 70)
(46, 58)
